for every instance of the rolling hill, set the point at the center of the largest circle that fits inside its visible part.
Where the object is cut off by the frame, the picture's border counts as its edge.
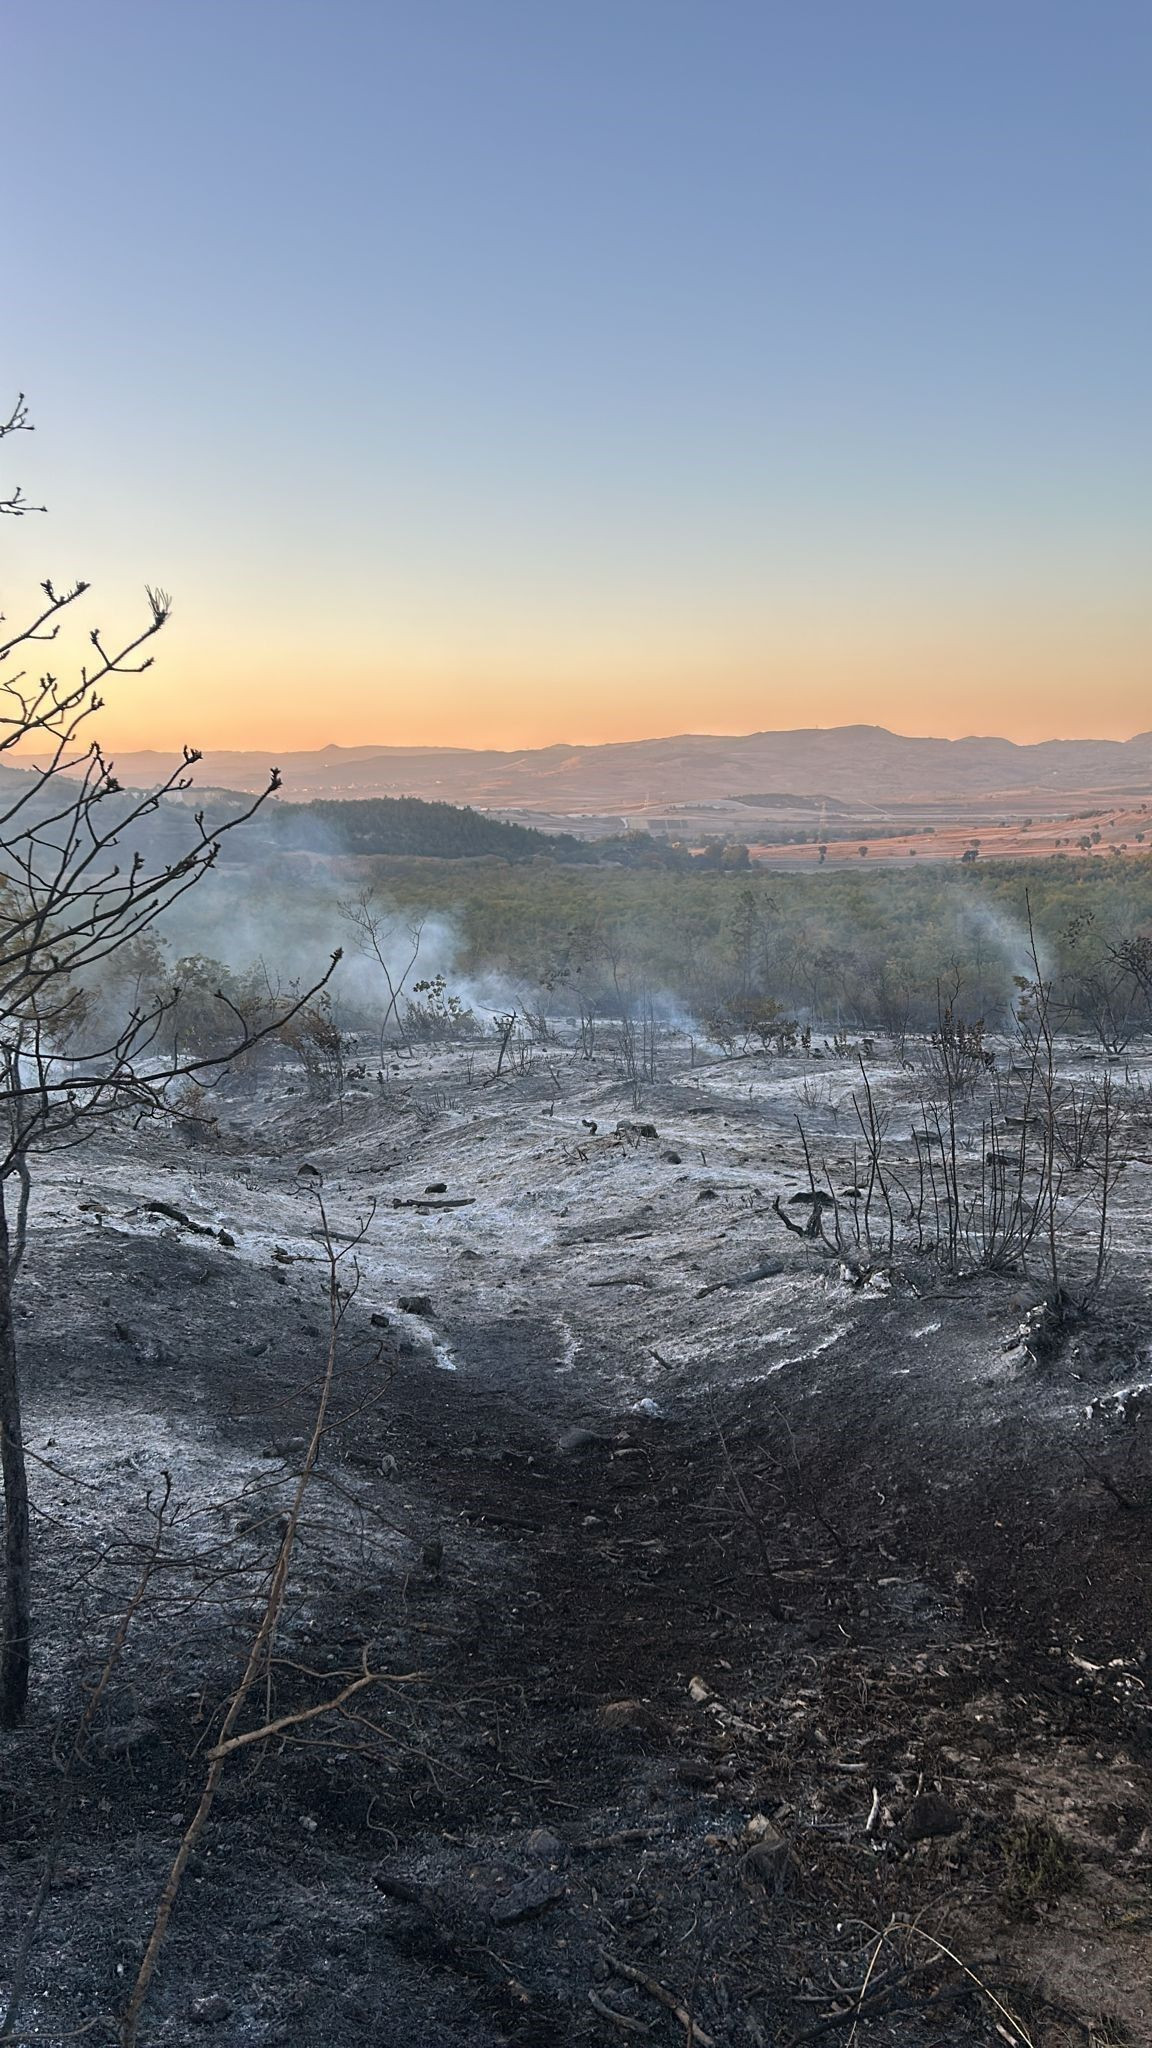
(854, 764)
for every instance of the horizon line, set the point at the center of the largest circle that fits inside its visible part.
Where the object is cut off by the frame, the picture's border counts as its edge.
(651, 739)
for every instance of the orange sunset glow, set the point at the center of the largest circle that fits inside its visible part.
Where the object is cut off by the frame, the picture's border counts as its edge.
(776, 407)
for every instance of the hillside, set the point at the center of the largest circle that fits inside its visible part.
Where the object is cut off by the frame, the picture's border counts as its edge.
(409, 826)
(846, 763)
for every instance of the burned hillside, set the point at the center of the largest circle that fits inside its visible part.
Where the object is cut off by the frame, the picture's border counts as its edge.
(716, 1609)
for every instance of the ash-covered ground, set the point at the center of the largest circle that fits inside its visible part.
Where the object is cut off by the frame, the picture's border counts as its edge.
(761, 1623)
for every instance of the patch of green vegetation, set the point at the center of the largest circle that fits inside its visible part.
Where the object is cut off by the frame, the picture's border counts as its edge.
(871, 950)
(854, 950)
(409, 825)
(412, 826)
(1039, 1866)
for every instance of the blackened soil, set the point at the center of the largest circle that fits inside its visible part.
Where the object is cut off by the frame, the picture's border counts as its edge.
(620, 1664)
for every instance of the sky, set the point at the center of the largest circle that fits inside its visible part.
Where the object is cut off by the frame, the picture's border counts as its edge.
(503, 372)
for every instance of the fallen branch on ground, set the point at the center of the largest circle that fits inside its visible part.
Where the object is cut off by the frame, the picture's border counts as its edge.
(768, 1269)
(663, 1997)
(623, 2020)
(175, 1215)
(331, 1706)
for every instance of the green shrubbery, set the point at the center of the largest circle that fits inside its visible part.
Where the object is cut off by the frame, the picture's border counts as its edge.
(868, 949)
(752, 958)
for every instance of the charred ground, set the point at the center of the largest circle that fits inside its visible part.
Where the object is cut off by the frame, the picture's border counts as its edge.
(751, 1621)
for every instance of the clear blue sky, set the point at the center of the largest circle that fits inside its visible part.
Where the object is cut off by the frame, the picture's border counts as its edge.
(507, 371)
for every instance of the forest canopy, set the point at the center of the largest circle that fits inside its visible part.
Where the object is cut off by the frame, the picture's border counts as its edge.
(410, 825)
(868, 949)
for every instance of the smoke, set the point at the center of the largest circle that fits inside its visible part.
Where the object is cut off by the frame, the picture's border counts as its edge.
(982, 924)
(659, 961)
(252, 917)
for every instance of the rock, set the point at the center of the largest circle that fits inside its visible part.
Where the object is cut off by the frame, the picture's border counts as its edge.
(415, 1304)
(545, 1847)
(672, 1158)
(527, 1896)
(1042, 1333)
(706, 1195)
(379, 1321)
(690, 1772)
(226, 1238)
(635, 1715)
(930, 1815)
(210, 2010)
(579, 1439)
(396, 1885)
(769, 1863)
(436, 1187)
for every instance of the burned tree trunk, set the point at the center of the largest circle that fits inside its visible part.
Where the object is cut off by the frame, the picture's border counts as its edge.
(14, 1652)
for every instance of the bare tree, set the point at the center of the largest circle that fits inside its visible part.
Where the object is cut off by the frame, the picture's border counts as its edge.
(1109, 983)
(377, 936)
(83, 873)
(1134, 956)
(17, 422)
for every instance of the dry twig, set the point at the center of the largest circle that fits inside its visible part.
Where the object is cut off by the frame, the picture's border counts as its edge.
(259, 1653)
(663, 1997)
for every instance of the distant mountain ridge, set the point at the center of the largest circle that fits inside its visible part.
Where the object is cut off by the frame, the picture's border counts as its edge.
(854, 763)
